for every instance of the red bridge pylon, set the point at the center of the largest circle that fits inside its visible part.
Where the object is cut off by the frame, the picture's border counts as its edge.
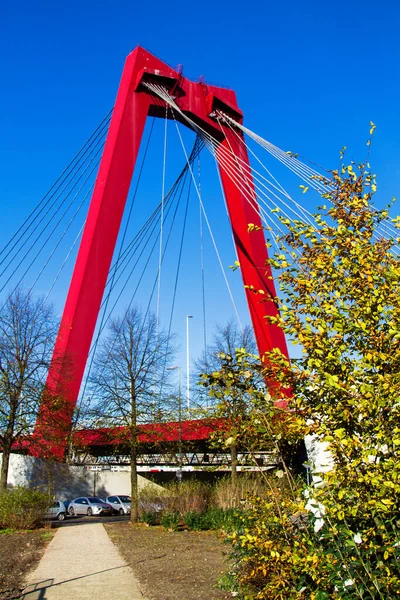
(133, 105)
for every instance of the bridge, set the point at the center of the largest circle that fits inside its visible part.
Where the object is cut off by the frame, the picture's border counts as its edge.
(258, 207)
(150, 88)
(174, 446)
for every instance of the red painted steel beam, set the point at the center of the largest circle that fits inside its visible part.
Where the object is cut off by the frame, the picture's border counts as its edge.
(150, 433)
(251, 248)
(250, 245)
(133, 104)
(93, 262)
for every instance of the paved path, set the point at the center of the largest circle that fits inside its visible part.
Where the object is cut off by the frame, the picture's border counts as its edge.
(82, 563)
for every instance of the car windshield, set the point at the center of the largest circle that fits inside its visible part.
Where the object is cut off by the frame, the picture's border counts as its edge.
(95, 500)
(125, 498)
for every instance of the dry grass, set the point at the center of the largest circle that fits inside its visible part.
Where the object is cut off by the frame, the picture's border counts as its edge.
(177, 497)
(248, 484)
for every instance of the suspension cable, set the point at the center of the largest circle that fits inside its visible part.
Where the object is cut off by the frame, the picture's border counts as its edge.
(55, 192)
(209, 229)
(171, 194)
(94, 159)
(203, 289)
(104, 304)
(44, 228)
(57, 184)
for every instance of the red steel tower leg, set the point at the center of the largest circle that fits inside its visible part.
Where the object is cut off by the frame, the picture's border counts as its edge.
(250, 245)
(92, 264)
(133, 104)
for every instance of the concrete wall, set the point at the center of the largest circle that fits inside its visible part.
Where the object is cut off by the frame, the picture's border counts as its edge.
(68, 482)
(319, 457)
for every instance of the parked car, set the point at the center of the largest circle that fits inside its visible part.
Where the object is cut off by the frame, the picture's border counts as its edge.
(56, 511)
(120, 504)
(89, 506)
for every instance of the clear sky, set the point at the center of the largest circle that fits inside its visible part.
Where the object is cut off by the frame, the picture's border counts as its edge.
(308, 75)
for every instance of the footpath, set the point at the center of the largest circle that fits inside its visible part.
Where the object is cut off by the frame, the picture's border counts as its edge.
(81, 562)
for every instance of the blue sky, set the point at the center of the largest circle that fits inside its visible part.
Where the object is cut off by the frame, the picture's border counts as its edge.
(309, 76)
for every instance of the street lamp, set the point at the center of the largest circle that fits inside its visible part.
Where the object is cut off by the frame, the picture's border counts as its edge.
(179, 472)
(187, 364)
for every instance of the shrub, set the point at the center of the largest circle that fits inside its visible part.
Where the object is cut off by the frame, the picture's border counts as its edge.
(150, 517)
(339, 300)
(190, 503)
(23, 508)
(227, 520)
(170, 520)
(196, 521)
(273, 552)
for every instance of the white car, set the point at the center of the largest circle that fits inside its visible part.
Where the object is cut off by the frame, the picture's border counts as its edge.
(120, 504)
(89, 505)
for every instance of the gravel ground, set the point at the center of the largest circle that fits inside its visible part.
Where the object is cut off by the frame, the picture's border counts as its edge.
(182, 565)
(19, 553)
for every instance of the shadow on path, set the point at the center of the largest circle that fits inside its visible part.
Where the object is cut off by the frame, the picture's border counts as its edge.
(37, 590)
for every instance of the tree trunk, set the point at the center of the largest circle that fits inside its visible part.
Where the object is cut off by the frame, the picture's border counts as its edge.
(134, 481)
(6, 449)
(8, 439)
(234, 464)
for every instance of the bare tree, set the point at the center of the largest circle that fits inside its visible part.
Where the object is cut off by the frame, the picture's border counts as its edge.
(27, 332)
(129, 372)
(226, 339)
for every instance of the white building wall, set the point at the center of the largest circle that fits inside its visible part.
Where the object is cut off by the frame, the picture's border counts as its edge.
(68, 482)
(319, 457)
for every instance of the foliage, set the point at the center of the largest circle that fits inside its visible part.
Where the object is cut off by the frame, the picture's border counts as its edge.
(214, 519)
(223, 520)
(195, 521)
(339, 280)
(189, 496)
(151, 517)
(279, 553)
(235, 387)
(23, 508)
(220, 367)
(170, 520)
(255, 417)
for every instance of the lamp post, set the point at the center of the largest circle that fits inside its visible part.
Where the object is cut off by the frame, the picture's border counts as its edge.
(187, 365)
(179, 472)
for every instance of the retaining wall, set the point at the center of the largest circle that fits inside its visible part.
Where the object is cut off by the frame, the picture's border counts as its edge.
(68, 482)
